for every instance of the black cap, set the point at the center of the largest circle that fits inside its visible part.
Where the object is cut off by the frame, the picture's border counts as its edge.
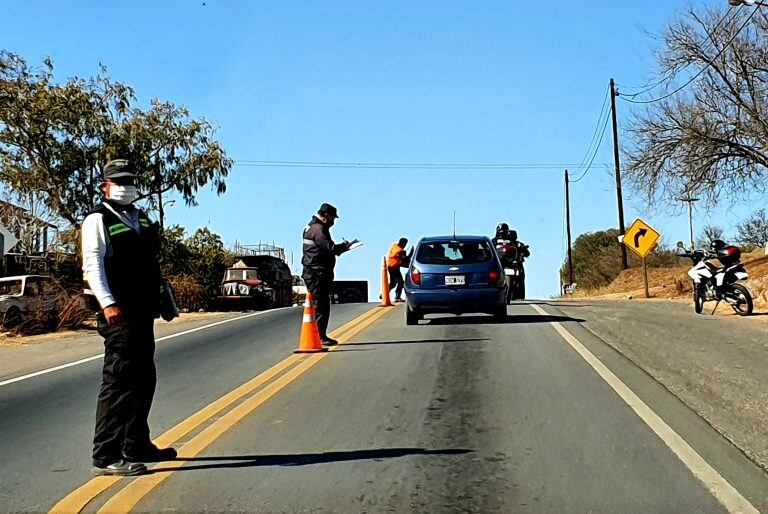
(328, 210)
(118, 168)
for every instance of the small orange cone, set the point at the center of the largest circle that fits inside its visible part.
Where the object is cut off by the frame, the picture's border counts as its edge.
(310, 337)
(385, 300)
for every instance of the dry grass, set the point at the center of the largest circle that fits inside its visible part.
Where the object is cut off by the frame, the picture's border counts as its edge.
(674, 283)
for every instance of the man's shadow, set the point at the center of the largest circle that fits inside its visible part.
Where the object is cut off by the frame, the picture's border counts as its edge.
(306, 459)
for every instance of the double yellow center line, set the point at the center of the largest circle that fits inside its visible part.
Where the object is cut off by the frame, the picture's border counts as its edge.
(127, 498)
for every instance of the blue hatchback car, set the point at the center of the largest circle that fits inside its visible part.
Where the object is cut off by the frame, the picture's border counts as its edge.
(455, 274)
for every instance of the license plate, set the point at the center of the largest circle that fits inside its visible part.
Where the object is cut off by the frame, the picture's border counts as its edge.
(455, 280)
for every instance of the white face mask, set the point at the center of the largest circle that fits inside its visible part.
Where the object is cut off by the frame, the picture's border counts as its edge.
(123, 195)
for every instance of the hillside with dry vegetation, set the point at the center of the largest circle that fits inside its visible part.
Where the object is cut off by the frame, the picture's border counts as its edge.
(674, 283)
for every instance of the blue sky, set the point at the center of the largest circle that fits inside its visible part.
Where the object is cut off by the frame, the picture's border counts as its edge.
(430, 81)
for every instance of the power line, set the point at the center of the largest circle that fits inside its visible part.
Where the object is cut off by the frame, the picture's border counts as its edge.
(587, 154)
(698, 74)
(670, 74)
(402, 165)
(594, 154)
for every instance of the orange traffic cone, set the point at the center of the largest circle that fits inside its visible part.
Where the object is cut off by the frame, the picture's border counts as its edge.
(310, 337)
(385, 301)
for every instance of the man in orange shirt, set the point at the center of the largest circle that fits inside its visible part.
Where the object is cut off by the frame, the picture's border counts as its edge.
(397, 259)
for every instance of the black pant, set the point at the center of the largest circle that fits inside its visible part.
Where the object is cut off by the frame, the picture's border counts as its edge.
(396, 281)
(320, 287)
(127, 389)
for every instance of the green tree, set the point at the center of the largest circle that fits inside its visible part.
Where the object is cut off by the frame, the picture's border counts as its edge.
(195, 265)
(597, 259)
(55, 138)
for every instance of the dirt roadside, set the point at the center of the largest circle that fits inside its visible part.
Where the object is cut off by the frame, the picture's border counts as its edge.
(674, 284)
(9, 339)
(714, 364)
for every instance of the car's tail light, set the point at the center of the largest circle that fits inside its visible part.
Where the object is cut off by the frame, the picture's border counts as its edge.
(495, 277)
(416, 276)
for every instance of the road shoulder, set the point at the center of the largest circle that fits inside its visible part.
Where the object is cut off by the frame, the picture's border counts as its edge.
(714, 366)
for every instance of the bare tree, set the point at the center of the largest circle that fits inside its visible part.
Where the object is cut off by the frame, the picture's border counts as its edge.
(754, 230)
(709, 234)
(711, 138)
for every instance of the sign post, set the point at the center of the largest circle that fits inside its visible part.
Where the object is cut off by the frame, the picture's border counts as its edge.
(641, 238)
(645, 279)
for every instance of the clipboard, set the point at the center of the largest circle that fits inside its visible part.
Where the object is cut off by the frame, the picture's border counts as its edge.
(355, 244)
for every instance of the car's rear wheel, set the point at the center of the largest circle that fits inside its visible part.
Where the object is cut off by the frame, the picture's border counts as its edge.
(412, 316)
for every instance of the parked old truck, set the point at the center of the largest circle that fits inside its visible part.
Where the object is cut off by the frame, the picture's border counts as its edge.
(256, 282)
(342, 291)
(349, 291)
(31, 299)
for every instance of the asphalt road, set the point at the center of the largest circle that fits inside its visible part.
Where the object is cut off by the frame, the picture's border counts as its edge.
(454, 415)
(46, 422)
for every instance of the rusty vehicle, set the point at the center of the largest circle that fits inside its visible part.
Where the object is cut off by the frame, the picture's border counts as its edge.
(256, 282)
(299, 290)
(30, 298)
(349, 291)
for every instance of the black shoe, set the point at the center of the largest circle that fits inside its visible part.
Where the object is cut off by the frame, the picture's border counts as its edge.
(120, 468)
(399, 300)
(151, 454)
(330, 342)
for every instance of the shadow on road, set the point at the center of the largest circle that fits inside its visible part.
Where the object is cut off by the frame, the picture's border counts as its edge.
(305, 459)
(419, 341)
(512, 319)
(567, 303)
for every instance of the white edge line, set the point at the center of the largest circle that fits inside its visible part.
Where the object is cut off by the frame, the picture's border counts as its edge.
(725, 493)
(164, 338)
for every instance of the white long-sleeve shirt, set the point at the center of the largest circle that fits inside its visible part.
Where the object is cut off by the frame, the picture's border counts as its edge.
(95, 247)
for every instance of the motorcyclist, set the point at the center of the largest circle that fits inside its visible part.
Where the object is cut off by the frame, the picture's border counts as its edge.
(502, 235)
(521, 247)
(512, 253)
(503, 244)
(507, 244)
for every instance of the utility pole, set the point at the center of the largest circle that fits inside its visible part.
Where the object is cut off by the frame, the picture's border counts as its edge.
(568, 227)
(689, 200)
(618, 173)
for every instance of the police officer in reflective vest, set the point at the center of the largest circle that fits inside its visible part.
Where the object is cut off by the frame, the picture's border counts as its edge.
(121, 249)
(319, 261)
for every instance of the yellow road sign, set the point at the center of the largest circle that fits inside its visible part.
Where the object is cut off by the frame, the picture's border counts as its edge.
(641, 238)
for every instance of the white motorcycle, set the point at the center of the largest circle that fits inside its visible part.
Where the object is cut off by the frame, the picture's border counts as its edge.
(713, 283)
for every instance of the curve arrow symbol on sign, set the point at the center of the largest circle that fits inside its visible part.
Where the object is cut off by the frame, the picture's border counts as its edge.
(640, 233)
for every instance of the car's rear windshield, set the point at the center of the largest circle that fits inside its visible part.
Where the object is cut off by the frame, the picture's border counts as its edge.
(454, 252)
